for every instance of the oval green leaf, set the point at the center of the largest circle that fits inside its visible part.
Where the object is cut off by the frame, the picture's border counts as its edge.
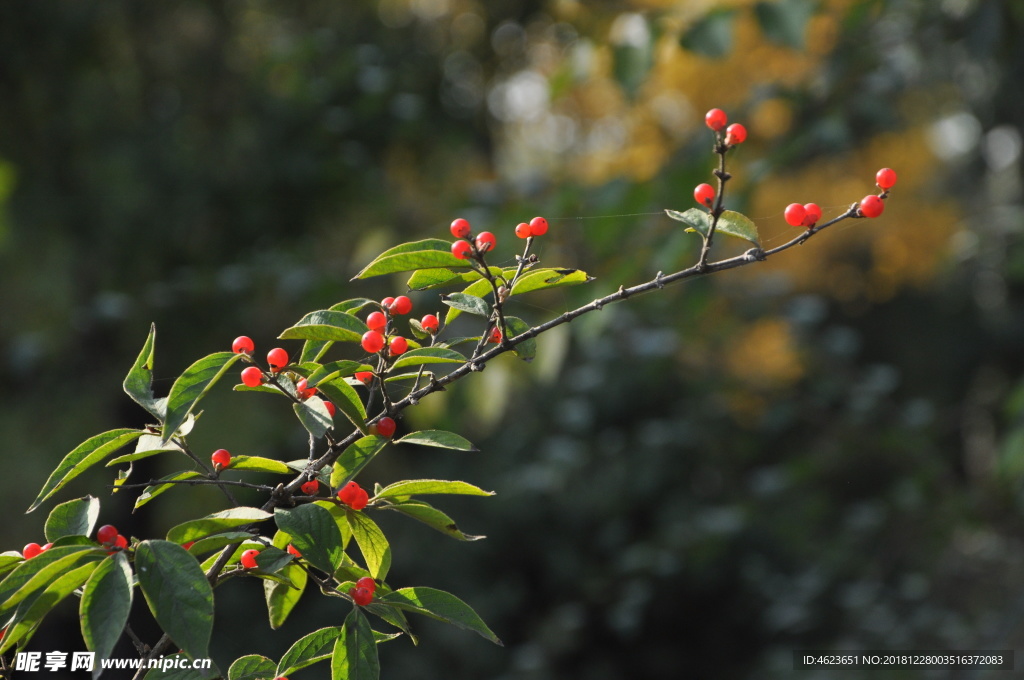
(85, 455)
(138, 384)
(73, 518)
(433, 518)
(193, 384)
(178, 594)
(355, 651)
(106, 602)
(417, 487)
(346, 399)
(314, 533)
(428, 355)
(252, 667)
(259, 464)
(372, 544)
(431, 253)
(32, 610)
(438, 438)
(307, 650)
(527, 349)
(326, 326)
(154, 490)
(355, 458)
(34, 575)
(469, 300)
(215, 523)
(281, 598)
(541, 279)
(441, 605)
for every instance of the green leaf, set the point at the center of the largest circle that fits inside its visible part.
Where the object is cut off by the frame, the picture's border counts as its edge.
(425, 279)
(326, 326)
(252, 667)
(730, 223)
(430, 253)
(73, 518)
(440, 605)
(438, 438)
(347, 400)
(34, 575)
(28, 615)
(354, 458)
(372, 544)
(711, 36)
(193, 384)
(218, 541)
(9, 559)
(314, 533)
(106, 602)
(307, 650)
(217, 522)
(281, 598)
(428, 355)
(138, 384)
(178, 594)
(334, 370)
(154, 490)
(469, 300)
(259, 464)
(355, 651)
(541, 279)
(784, 22)
(433, 518)
(527, 349)
(314, 416)
(85, 455)
(416, 487)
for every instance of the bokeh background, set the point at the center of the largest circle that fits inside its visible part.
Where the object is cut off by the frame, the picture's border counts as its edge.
(826, 450)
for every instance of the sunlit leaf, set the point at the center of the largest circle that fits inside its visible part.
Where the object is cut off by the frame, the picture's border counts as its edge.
(730, 223)
(73, 518)
(307, 650)
(355, 652)
(218, 521)
(314, 533)
(541, 279)
(178, 594)
(326, 326)
(438, 438)
(430, 253)
(372, 544)
(354, 458)
(154, 490)
(428, 355)
(192, 385)
(440, 605)
(106, 602)
(138, 384)
(85, 455)
(252, 667)
(413, 487)
(470, 300)
(433, 518)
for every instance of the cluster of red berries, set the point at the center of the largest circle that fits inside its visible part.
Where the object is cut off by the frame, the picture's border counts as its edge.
(375, 338)
(806, 215)
(717, 121)
(362, 594)
(872, 205)
(538, 226)
(109, 536)
(277, 360)
(354, 496)
(463, 247)
(33, 549)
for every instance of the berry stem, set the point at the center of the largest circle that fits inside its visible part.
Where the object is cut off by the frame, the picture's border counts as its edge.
(716, 212)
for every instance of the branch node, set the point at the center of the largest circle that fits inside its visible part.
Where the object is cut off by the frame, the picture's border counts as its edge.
(657, 279)
(755, 255)
(476, 366)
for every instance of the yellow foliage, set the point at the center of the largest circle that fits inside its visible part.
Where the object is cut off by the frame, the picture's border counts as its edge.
(763, 355)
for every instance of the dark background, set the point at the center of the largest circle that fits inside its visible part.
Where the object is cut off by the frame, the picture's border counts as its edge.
(823, 451)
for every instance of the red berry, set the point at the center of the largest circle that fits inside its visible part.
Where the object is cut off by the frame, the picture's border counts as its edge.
(368, 583)
(812, 214)
(348, 493)
(871, 206)
(221, 457)
(385, 426)
(31, 550)
(361, 596)
(430, 324)
(106, 534)
(398, 345)
(373, 342)
(292, 550)
(311, 487)
(401, 305)
(252, 376)
(461, 249)
(460, 228)
(485, 241)
(188, 544)
(243, 343)
(331, 409)
(523, 230)
(387, 302)
(885, 179)
(277, 358)
(303, 390)
(376, 321)
(704, 194)
(795, 214)
(715, 119)
(538, 226)
(365, 377)
(735, 134)
(120, 542)
(249, 558)
(495, 335)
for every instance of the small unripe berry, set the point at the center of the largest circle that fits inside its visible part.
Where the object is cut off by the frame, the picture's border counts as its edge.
(292, 550)
(385, 427)
(538, 226)
(398, 345)
(243, 343)
(106, 534)
(735, 134)
(277, 358)
(401, 305)
(871, 206)
(704, 194)
(373, 342)
(252, 376)
(716, 119)
(523, 230)
(248, 558)
(812, 213)
(885, 179)
(221, 457)
(461, 249)
(361, 596)
(795, 214)
(331, 408)
(311, 487)
(365, 377)
(376, 321)
(368, 583)
(303, 390)
(31, 550)
(485, 241)
(430, 323)
(387, 302)
(460, 228)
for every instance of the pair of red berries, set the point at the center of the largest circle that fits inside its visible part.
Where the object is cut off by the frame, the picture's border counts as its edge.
(806, 215)
(374, 341)
(872, 205)
(33, 549)
(463, 248)
(252, 376)
(109, 536)
(538, 226)
(354, 496)
(717, 121)
(363, 592)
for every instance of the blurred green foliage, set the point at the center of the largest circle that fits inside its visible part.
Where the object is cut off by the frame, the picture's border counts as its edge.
(826, 454)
